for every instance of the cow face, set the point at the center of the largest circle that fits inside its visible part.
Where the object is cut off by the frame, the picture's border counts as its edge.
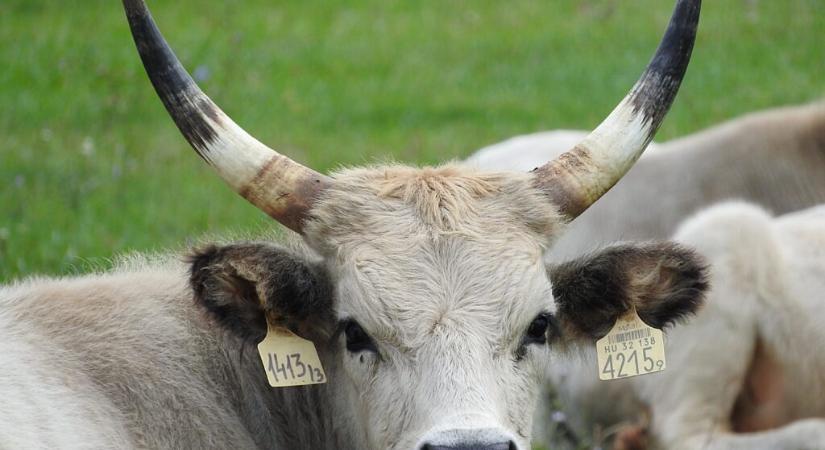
(433, 304)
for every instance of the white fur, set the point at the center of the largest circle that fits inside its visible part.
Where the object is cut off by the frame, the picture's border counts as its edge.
(431, 263)
(768, 278)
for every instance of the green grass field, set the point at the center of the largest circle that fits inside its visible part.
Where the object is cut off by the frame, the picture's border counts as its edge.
(91, 166)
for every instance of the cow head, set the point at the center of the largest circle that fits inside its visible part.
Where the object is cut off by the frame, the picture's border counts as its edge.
(426, 288)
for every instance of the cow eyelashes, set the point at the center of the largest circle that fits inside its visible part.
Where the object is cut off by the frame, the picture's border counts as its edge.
(357, 339)
(537, 331)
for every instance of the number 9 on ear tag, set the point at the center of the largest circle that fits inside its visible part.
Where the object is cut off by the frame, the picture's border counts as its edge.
(631, 348)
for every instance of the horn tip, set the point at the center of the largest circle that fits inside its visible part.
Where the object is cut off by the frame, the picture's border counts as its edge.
(656, 89)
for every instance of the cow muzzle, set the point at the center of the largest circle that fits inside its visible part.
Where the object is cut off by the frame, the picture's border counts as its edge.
(469, 439)
(499, 446)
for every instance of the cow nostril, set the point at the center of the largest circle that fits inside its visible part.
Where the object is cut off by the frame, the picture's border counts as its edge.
(475, 446)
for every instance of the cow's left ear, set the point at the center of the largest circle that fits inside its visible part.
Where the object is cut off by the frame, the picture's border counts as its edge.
(664, 281)
(241, 285)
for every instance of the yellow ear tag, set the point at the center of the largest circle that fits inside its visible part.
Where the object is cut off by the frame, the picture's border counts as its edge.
(631, 348)
(290, 360)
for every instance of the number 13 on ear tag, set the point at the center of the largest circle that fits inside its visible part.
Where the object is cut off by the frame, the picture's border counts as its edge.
(290, 360)
(631, 348)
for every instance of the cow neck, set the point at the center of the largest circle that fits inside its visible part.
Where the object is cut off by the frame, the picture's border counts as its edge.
(288, 418)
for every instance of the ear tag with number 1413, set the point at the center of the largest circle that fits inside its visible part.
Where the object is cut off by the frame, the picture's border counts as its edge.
(631, 348)
(290, 360)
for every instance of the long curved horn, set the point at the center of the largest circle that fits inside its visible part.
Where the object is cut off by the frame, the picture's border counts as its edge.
(580, 176)
(274, 183)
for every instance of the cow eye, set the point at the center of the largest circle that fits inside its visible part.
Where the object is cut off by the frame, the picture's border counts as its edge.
(357, 339)
(537, 331)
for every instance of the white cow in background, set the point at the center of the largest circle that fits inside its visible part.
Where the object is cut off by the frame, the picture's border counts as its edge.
(748, 373)
(774, 157)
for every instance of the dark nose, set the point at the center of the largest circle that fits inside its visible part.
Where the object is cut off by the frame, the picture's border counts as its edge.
(497, 446)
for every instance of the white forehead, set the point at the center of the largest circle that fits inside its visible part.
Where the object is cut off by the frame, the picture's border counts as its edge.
(416, 250)
(445, 286)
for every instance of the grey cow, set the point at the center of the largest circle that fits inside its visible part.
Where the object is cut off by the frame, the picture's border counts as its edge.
(424, 290)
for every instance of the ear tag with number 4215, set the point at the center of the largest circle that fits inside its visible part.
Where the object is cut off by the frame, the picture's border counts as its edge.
(631, 348)
(290, 360)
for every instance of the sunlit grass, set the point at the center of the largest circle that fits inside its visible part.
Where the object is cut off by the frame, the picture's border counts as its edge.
(90, 164)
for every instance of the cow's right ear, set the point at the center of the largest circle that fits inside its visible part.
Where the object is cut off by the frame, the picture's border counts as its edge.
(240, 285)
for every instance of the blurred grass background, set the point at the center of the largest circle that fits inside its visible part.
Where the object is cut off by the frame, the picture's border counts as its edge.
(91, 165)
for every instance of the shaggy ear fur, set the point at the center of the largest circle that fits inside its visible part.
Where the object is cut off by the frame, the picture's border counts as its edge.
(241, 284)
(663, 280)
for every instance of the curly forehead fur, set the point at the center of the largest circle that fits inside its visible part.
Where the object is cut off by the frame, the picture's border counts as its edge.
(395, 202)
(449, 248)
